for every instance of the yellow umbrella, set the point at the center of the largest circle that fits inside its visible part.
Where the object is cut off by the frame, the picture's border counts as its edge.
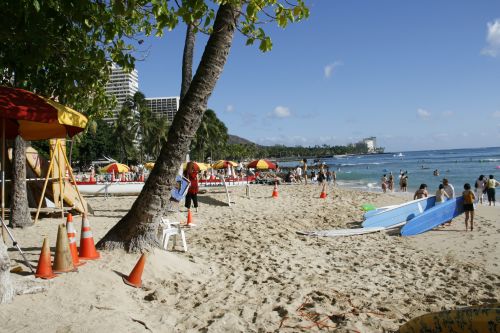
(115, 167)
(198, 166)
(223, 164)
(149, 165)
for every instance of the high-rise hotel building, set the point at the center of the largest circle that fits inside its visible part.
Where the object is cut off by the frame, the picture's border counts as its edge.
(163, 106)
(122, 84)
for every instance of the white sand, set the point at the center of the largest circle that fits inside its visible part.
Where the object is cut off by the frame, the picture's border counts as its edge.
(247, 271)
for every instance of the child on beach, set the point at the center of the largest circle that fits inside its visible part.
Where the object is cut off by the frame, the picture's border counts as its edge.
(469, 198)
(192, 175)
(421, 192)
(441, 195)
(383, 181)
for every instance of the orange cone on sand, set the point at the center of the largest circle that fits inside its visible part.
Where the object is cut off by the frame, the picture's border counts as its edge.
(63, 262)
(189, 221)
(44, 269)
(135, 277)
(87, 246)
(323, 194)
(275, 190)
(72, 240)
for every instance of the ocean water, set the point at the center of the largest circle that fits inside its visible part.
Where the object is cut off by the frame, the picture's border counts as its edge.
(460, 166)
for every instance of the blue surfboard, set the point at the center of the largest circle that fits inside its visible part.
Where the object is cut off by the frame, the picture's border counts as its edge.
(376, 211)
(434, 217)
(402, 213)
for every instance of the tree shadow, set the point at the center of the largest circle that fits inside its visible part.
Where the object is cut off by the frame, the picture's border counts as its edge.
(211, 201)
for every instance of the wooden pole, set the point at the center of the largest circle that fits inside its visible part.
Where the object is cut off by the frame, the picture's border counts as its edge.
(57, 151)
(44, 187)
(68, 165)
(4, 233)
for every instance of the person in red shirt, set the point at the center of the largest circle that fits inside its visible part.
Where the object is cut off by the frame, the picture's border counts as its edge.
(192, 175)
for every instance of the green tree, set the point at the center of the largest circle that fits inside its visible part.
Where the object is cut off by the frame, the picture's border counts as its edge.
(137, 230)
(211, 137)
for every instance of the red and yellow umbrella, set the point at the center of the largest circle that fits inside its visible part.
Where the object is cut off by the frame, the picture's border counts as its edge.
(115, 167)
(261, 165)
(197, 166)
(149, 165)
(37, 118)
(223, 164)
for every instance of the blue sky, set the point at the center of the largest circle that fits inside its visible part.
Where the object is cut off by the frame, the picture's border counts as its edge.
(415, 74)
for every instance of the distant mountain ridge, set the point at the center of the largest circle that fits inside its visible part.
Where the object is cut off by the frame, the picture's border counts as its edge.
(234, 140)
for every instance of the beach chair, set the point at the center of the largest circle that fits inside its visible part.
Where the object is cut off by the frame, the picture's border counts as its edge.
(168, 229)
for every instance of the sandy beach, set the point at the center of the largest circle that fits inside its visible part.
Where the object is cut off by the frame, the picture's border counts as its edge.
(246, 270)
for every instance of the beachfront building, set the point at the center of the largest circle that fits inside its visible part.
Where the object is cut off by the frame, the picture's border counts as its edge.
(371, 144)
(163, 106)
(122, 84)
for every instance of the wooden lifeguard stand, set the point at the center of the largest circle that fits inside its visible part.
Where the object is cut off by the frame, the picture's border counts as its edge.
(58, 167)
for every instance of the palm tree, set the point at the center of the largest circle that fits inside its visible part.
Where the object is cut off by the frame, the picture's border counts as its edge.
(125, 131)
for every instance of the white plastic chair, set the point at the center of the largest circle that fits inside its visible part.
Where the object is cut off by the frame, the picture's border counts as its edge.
(168, 229)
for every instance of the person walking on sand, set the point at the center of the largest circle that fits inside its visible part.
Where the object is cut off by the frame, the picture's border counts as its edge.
(421, 192)
(480, 188)
(298, 172)
(490, 189)
(469, 198)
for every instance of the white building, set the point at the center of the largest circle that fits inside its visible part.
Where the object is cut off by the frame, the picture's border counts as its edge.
(163, 106)
(371, 144)
(121, 84)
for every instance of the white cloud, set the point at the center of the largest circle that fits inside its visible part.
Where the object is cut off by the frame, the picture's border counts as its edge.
(329, 69)
(230, 108)
(496, 114)
(423, 114)
(281, 112)
(492, 48)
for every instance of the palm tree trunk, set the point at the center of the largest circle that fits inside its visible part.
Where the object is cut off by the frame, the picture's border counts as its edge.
(137, 230)
(19, 212)
(187, 60)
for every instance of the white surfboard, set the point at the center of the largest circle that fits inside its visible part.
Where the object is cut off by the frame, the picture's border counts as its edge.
(347, 232)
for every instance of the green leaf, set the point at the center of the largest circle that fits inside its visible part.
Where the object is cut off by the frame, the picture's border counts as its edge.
(36, 4)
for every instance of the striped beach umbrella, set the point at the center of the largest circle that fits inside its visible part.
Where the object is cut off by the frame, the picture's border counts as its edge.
(198, 166)
(261, 165)
(223, 164)
(115, 167)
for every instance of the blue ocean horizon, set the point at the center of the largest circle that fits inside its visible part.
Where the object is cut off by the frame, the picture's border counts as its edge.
(459, 166)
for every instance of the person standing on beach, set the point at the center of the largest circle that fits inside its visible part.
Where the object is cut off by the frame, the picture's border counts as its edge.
(469, 198)
(391, 182)
(490, 189)
(421, 192)
(304, 166)
(334, 177)
(192, 175)
(403, 182)
(383, 183)
(299, 173)
(480, 188)
(450, 191)
(441, 195)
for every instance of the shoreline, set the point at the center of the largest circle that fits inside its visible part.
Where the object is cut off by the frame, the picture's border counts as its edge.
(247, 270)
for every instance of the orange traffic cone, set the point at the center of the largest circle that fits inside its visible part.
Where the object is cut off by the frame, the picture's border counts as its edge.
(189, 221)
(323, 195)
(72, 240)
(135, 277)
(275, 190)
(44, 269)
(87, 246)
(62, 259)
